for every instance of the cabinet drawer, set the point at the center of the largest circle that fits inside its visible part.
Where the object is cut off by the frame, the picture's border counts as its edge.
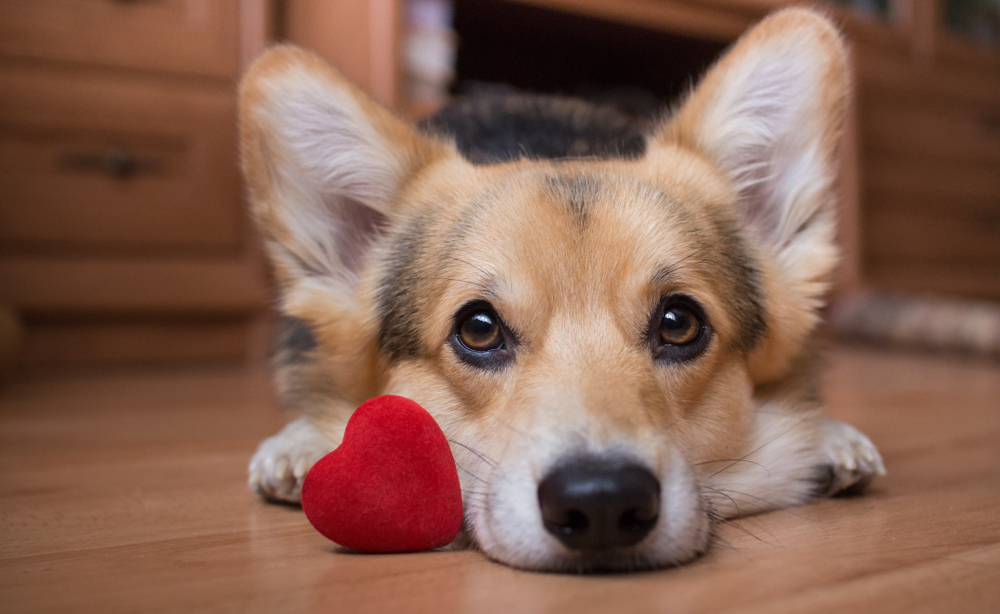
(193, 36)
(95, 162)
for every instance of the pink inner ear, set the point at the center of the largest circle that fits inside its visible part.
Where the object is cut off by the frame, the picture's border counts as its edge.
(757, 198)
(357, 228)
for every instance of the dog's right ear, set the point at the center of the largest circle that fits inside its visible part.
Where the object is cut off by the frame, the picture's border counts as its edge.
(324, 164)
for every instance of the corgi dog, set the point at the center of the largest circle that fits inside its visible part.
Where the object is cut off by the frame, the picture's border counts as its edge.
(613, 328)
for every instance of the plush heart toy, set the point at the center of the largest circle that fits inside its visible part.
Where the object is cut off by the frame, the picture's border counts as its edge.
(391, 486)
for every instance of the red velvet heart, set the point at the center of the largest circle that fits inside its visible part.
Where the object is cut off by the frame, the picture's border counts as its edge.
(391, 486)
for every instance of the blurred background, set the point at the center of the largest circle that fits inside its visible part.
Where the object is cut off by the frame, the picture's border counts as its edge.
(123, 233)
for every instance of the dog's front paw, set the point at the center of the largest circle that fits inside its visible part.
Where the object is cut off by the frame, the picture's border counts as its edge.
(852, 460)
(281, 463)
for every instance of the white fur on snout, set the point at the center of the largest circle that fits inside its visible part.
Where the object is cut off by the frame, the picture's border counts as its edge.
(682, 531)
(506, 521)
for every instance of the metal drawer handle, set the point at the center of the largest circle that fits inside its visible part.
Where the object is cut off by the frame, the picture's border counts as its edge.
(115, 161)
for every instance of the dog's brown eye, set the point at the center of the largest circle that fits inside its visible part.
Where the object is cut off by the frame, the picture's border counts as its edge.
(678, 330)
(480, 331)
(679, 325)
(481, 339)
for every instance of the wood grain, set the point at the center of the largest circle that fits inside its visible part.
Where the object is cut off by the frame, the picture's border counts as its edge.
(925, 278)
(200, 37)
(131, 342)
(50, 284)
(917, 231)
(125, 492)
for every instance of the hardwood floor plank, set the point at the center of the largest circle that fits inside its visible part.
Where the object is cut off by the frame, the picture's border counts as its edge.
(966, 582)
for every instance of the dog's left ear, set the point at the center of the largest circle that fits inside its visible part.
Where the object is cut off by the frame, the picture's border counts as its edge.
(326, 169)
(325, 166)
(770, 114)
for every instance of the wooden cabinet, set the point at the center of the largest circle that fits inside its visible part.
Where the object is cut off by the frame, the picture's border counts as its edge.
(123, 234)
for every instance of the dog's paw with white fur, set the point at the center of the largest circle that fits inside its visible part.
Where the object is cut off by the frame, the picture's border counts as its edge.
(852, 459)
(281, 463)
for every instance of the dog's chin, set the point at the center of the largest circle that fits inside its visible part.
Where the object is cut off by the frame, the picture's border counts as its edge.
(508, 529)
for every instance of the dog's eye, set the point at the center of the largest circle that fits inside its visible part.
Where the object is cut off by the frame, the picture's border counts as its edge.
(679, 325)
(678, 331)
(480, 331)
(480, 338)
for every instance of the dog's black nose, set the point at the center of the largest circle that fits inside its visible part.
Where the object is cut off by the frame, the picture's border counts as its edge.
(594, 504)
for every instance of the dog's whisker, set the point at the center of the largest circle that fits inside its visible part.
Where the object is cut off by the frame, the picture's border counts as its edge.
(734, 460)
(761, 447)
(769, 504)
(471, 474)
(743, 529)
(482, 457)
(760, 526)
(735, 504)
(717, 539)
(717, 519)
(516, 430)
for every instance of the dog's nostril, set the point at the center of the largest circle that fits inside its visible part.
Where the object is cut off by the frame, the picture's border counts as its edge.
(572, 521)
(594, 503)
(637, 521)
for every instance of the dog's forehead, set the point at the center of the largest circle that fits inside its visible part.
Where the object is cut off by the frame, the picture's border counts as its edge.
(566, 220)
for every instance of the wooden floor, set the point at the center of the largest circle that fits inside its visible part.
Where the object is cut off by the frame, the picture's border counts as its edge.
(125, 493)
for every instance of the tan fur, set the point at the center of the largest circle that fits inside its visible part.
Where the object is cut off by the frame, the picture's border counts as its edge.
(577, 288)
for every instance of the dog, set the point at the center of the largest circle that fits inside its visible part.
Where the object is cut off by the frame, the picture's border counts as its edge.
(615, 329)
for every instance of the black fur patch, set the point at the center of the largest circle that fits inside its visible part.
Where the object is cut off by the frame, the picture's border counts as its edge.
(294, 340)
(399, 318)
(746, 300)
(494, 128)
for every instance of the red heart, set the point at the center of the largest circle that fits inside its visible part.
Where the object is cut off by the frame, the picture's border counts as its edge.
(391, 486)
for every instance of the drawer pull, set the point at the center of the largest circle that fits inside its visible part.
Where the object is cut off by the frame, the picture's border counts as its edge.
(117, 162)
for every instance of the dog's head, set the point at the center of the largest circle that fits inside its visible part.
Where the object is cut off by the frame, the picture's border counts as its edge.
(586, 332)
